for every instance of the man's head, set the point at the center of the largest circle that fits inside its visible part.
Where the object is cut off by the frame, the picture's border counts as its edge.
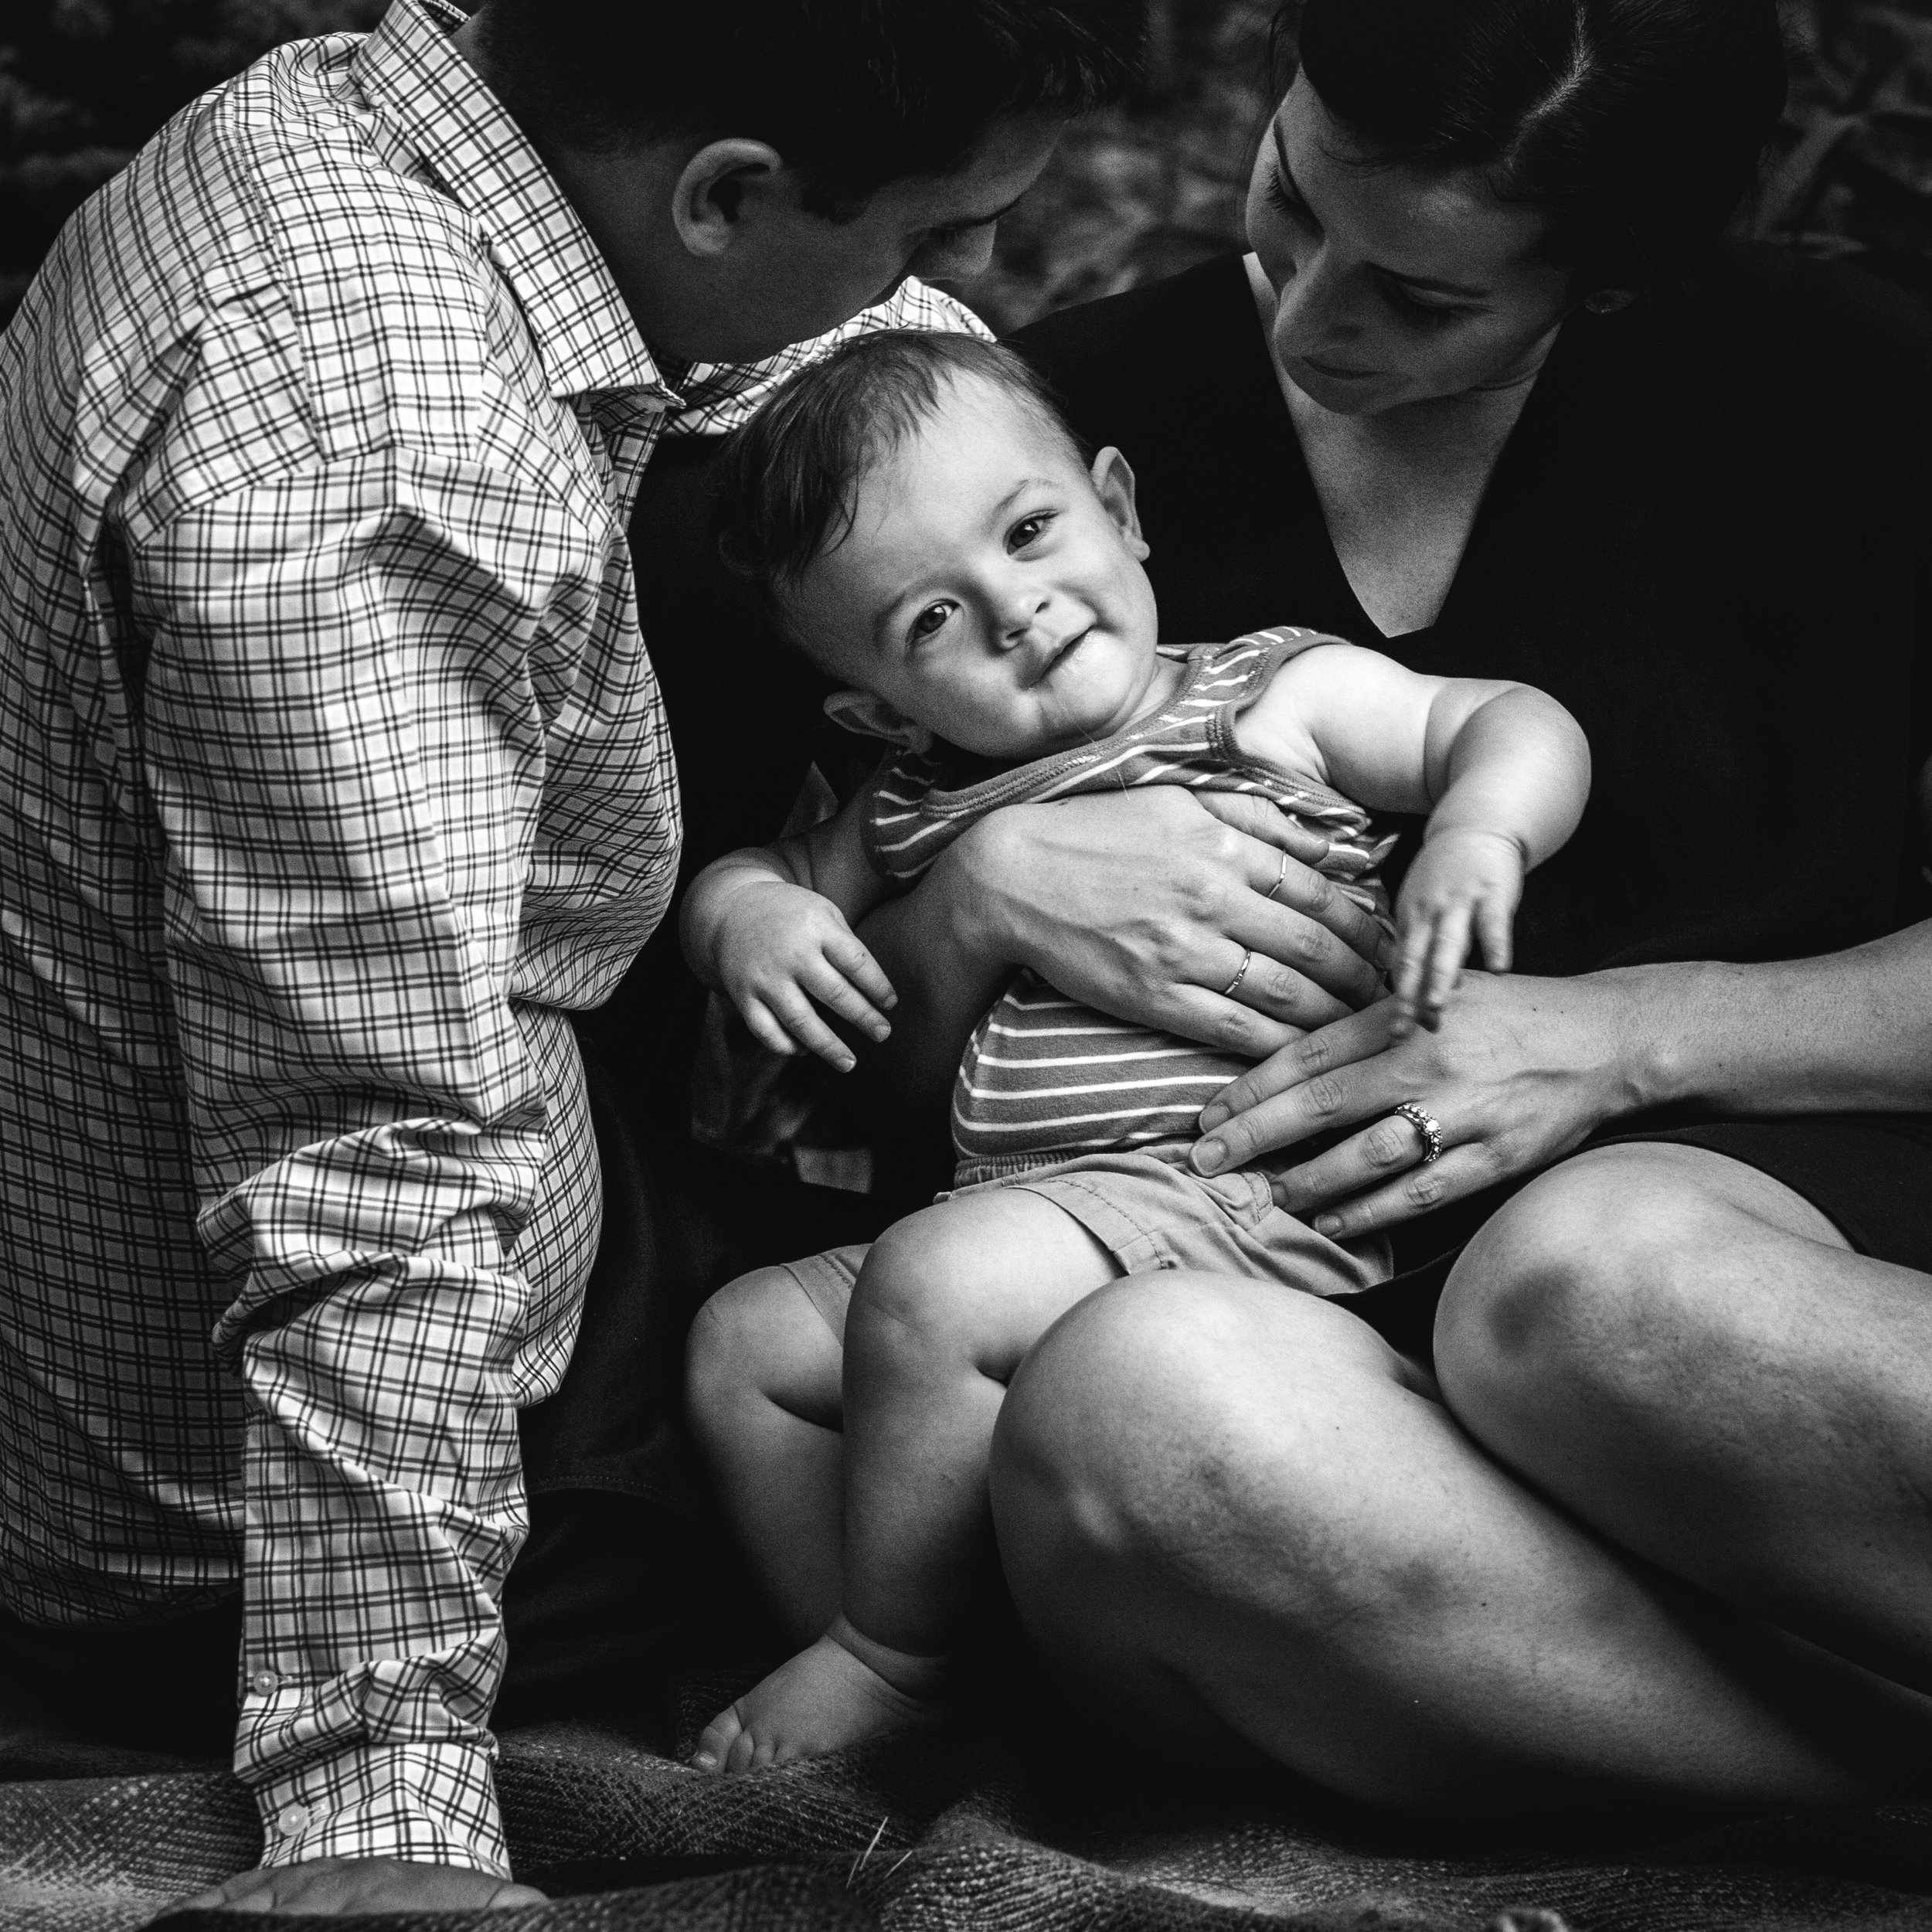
(758, 170)
(929, 533)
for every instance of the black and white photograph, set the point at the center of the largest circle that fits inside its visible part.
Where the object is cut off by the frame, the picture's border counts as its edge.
(966, 965)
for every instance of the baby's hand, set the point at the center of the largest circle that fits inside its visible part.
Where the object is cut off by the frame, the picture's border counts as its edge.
(779, 947)
(1459, 879)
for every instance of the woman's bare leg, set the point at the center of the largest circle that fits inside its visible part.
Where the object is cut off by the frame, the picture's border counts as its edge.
(1690, 1356)
(948, 1303)
(1244, 1518)
(762, 1391)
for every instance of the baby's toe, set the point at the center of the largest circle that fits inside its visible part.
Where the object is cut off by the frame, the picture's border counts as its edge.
(744, 1755)
(715, 1740)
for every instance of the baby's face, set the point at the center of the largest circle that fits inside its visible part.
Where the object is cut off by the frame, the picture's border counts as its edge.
(990, 588)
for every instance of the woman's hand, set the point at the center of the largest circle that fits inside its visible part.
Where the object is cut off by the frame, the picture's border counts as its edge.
(1199, 913)
(1520, 1073)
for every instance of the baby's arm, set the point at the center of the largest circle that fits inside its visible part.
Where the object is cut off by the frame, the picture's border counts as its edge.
(770, 928)
(1501, 769)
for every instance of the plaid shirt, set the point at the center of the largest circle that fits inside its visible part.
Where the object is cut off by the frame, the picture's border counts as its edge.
(332, 770)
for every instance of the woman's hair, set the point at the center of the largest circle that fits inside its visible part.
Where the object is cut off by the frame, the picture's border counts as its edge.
(791, 475)
(854, 93)
(1636, 127)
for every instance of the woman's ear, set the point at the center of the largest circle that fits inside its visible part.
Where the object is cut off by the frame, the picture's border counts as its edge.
(710, 192)
(870, 717)
(1114, 484)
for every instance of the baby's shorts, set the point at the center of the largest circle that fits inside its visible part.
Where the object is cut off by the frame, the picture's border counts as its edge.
(1150, 1214)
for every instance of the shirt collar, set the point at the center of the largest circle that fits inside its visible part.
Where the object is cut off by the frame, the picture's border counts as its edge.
(438, 104)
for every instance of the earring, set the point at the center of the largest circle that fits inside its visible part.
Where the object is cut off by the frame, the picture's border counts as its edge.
(1600, 304)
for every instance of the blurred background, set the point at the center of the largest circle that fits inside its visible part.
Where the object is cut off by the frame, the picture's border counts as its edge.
(1139, 192)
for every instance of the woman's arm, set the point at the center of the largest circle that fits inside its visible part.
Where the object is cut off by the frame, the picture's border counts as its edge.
(1141, 904)
(1524, 1070)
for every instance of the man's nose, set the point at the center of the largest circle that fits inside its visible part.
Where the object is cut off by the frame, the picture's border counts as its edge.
(969, 253)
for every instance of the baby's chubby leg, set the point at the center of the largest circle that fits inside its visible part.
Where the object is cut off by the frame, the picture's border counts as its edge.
(948, 1305)
(762, 1373)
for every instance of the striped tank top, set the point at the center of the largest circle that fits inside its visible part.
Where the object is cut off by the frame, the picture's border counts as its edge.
(1044, 1078)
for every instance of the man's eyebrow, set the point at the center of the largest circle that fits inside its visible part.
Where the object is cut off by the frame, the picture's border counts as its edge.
(1394, 275)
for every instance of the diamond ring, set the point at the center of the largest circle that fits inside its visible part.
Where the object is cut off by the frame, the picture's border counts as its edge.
(1427, 1126)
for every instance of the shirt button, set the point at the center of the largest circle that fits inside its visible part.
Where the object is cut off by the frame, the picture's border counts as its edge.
(292, 1820)
(265, 1680)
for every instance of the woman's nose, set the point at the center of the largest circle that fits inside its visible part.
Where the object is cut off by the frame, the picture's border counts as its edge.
(1312, 311)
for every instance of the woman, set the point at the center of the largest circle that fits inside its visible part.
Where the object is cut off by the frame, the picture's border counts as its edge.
(1655, 1526)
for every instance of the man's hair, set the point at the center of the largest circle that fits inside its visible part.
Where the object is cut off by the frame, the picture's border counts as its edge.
(853, 93)
(791, 474)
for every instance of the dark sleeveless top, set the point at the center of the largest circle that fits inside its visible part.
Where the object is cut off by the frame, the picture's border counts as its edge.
(1710, 536)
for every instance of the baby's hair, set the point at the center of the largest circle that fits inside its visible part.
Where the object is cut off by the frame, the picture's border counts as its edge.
(792, 473)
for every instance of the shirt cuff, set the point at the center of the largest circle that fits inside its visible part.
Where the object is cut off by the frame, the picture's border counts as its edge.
(435, 1803)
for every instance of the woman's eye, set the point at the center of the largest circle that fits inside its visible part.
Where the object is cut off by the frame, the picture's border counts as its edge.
(1291, 206)
(1028, 529)
(929, 621)
(1426, 314)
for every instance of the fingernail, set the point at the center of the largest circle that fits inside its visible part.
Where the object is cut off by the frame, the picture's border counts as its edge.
(882, 1031)
(889, 1002)
(1328, 1224)
(1212, 1114)
(1209, 1155)
(846, 1064)
(704, 1761)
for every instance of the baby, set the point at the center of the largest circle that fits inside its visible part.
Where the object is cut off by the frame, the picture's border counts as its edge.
(929, 534)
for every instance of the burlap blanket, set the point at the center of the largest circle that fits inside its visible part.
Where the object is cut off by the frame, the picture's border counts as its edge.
(994, 1825)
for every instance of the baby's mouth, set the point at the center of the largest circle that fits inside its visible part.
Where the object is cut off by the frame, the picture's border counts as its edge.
(1060, 656)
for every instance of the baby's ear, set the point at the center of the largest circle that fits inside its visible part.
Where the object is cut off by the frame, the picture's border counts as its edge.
(1113, 482)
(870, 717)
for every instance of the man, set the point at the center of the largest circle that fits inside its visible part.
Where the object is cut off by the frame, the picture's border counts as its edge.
(336, 775)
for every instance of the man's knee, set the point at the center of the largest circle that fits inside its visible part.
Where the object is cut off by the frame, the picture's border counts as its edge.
(1600, 1275)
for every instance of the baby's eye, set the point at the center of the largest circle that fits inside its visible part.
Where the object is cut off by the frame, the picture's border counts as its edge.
(1028, 529)
(929, 621)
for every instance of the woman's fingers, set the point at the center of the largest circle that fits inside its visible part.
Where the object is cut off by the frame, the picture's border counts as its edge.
(1318, 1055)
(1460, 1170)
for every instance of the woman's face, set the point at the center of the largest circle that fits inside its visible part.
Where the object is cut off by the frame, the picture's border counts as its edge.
(1392, 286)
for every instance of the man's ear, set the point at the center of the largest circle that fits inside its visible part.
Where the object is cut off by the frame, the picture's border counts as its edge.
(1114, 484)
(710, 192)
(870, 717)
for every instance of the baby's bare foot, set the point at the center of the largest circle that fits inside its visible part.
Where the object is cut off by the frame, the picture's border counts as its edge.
(825, 1698)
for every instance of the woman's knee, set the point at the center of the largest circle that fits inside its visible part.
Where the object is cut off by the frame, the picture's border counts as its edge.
(1598, 1278)
(1144, 1431)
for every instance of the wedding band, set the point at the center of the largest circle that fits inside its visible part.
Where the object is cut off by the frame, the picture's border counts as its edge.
(1280, 877)
(1427, 1126)
(1247, 960)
